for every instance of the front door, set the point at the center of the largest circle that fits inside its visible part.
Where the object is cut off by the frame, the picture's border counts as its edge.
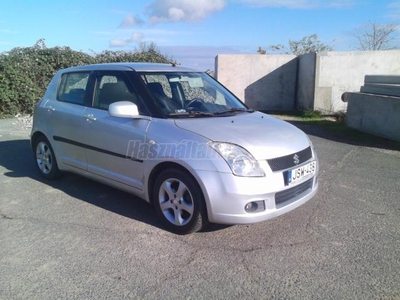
(113, 143)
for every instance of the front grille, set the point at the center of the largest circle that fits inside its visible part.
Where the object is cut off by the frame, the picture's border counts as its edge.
(286, 162)
(293, 192)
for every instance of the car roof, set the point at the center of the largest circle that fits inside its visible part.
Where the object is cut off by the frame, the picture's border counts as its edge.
(129, 66)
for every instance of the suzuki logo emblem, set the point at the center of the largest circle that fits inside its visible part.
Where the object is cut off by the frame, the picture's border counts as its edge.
(296, 159)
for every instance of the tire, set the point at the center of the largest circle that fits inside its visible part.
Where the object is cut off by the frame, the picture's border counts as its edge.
(45, 159)
(179, 202)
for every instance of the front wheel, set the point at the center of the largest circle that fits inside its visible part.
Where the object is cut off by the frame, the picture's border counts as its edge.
(179, 202)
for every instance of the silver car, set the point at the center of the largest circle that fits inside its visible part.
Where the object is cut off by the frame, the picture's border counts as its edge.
(176, 138)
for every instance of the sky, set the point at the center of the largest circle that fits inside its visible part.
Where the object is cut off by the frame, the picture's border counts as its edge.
(192, 32)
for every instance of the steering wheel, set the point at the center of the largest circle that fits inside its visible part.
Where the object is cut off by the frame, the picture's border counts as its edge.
(190, 106)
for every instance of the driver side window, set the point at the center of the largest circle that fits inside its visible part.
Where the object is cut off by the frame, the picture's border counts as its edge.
(110, 89)
(167, 97)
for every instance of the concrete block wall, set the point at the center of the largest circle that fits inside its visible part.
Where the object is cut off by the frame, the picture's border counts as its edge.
(308, 82)
(382, 85)
(340, 72)
(375, 114)
(376, 109)
(263, 82)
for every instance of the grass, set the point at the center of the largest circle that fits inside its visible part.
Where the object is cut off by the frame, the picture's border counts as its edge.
(310, 115)
(301, 115)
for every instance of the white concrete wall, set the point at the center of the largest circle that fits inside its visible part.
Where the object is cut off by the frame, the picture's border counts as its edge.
(339, 72)
(307, 82)
(263, 82)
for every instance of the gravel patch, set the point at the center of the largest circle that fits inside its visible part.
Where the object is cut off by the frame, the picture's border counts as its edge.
(23, 121)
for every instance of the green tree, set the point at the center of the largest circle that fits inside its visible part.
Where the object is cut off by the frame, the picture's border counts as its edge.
(307, 44)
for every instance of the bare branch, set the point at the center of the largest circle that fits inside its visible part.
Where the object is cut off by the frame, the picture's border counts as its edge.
(374, 36)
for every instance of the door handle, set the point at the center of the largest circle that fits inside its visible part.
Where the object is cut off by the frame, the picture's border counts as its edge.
(50, 108)
(90, 118)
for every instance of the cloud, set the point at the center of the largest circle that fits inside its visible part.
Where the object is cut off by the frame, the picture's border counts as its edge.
(152, 35)
(164, 32)
(299, 4)
(8, 31)
(135, 38)
(131, 21)
(163, 11)
(118, 43)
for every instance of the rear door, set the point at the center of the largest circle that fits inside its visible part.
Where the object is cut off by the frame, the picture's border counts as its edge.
(113, 144)
(64, 118)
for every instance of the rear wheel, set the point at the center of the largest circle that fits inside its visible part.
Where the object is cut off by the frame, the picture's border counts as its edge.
(179, 202)
(46, 162)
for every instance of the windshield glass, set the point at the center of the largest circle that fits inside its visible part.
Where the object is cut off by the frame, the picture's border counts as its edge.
(190, 94)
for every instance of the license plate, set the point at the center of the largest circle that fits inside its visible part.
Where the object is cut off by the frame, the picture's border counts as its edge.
(295, 175)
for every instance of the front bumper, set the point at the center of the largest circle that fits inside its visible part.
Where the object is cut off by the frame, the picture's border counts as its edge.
(226, 196)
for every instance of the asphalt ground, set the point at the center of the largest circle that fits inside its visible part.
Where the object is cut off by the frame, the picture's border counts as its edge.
(78, 239)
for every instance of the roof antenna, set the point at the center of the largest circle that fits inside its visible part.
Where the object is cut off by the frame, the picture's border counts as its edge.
(173, 63)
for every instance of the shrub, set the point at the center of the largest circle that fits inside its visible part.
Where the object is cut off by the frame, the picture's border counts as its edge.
(26, 72)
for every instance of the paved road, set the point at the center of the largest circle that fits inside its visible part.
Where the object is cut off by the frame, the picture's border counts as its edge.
(77, 239)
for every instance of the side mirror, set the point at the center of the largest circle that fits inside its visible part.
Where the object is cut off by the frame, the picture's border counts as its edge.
(123, 109)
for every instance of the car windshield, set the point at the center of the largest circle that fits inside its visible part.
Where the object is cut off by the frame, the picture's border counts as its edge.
(184, 94)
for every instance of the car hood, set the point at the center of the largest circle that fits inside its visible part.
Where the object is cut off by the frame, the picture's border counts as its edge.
(263, 136)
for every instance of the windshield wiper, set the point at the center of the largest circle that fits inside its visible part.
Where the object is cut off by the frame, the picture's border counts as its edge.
(233, 110)
(192, 113)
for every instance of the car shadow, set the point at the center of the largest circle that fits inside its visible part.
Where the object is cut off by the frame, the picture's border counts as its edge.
(338, 132)
(17, 158)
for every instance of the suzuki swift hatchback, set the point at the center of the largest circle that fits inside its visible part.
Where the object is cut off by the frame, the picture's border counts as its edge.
(176, 138)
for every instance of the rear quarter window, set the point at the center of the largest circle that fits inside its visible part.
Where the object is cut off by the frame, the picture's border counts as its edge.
(72, 87)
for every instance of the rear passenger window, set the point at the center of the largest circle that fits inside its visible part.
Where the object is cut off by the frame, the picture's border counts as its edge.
(72, 87)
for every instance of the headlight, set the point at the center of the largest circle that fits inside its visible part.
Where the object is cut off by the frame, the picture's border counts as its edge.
(241, 162)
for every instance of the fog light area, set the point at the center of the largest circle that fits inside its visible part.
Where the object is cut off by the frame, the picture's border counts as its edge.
(255, 206)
